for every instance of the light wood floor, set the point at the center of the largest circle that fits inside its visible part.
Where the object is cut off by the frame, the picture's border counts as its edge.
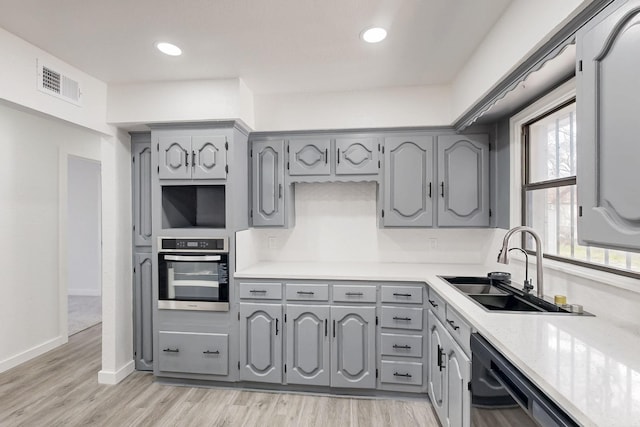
(61, 388)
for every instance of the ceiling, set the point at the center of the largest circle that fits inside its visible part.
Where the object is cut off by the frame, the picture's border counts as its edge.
(276, 46)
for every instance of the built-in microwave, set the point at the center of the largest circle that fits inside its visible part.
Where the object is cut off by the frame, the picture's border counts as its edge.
(193, 274)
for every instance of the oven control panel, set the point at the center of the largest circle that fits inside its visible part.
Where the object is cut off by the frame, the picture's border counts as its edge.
(193, 244)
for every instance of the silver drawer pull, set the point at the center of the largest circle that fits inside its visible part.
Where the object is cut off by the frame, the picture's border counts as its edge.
(395, 294)
(395, 374)
(258, 291)
(406, 319)
(305, 292)
(354, 294)
(211, 352)
(453, 325)
(407, 347)
(171, 350)
(433, 303)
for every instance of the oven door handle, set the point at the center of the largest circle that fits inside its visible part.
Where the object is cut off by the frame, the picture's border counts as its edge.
(192, 257)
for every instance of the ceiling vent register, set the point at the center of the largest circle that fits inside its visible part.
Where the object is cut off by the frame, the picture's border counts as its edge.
(57, 84)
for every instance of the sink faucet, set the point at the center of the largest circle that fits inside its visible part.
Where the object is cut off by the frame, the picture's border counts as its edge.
(527, 282)
(503, 257)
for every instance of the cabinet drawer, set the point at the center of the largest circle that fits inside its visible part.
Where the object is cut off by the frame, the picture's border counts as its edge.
(459, 329)
(402, 294)
(401, 372)
(196, 353)
(401, 345)
(437, 305)
(354, 293)
(302, 292)
(260, 290)
(402, 318)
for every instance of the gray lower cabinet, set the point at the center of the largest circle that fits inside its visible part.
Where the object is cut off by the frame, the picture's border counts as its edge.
(353, 347)
(607, 101)
(261, 342)
(309, 156)
(191, 352)
(449, 376)
(268, 192)
(308, 356)
(357, 156)
(463, 181)
(143, 311)
(192, 157)
(408, 181)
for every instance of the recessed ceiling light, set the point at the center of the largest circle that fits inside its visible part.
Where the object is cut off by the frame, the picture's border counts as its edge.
(169, 49)
(374, 35)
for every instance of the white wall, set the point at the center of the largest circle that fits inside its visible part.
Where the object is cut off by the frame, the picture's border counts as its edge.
(524, 25)
(33, 196)
(337, 222)
(18, 84)
(190, 100)
(388, 107)
(84, 227)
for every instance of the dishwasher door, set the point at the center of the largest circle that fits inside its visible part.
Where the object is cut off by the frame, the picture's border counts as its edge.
(537, 408)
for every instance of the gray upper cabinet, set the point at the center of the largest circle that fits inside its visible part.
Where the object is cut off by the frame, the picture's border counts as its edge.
(463, 181)
(209, 157)
(408, 181)
(261, 342)
(353, 347)
(357, 156)
(143, 311)
(309, 157)
(608, 98)
(268, 195)
(308, 354)
(197, 157)
(141, 152)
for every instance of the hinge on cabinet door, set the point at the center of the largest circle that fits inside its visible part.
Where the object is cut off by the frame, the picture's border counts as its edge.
(285, 318)
(490, 213)
(226, 168)
(469, 386)
(382, 213)
(376, 320)
(226, 146)
(580, 65)
(238, 316)
(158, 169)
(133, 159)
(134, 227)
(158, 147)
(251, 152)
(287, 149)
(251, 213)
(378, 164)
(579, 210)
(287, 165)
(378, 147)
(134, 270)
(285, 368)
(238, 365)
(376, 372)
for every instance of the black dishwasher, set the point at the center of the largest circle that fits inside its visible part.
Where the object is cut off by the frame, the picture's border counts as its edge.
(511, 390)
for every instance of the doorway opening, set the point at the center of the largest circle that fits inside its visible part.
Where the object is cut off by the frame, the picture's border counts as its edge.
(84, 244)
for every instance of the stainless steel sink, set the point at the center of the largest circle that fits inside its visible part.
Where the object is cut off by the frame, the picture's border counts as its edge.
(500, 296)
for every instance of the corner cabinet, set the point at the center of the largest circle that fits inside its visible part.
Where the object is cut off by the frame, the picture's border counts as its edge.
(408, 182)
(268, 191)
(607, 99)
(463, 181)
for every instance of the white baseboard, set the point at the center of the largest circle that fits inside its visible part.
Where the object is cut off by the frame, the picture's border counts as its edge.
(84, 292)
(36, 351)
(112, 378)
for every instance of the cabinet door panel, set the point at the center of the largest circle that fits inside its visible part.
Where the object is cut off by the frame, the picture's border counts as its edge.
(408, 181)
(608, 97)
(436, 370)
(143, 312)
(463, 180)
(268, 182)
(309, 157)
(173, 157)
(209, 157)
(353, 347)
(356, 156)
(142, 194)
(261, 342)
(308, 344)
(458, 378)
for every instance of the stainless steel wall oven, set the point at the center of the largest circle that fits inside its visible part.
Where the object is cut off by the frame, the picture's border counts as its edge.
(193, 274)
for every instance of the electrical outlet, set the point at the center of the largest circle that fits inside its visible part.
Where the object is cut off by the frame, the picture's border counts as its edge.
(432, 244)
(272, 242)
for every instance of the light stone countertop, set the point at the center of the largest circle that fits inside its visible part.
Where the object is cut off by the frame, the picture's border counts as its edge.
(587, 365)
